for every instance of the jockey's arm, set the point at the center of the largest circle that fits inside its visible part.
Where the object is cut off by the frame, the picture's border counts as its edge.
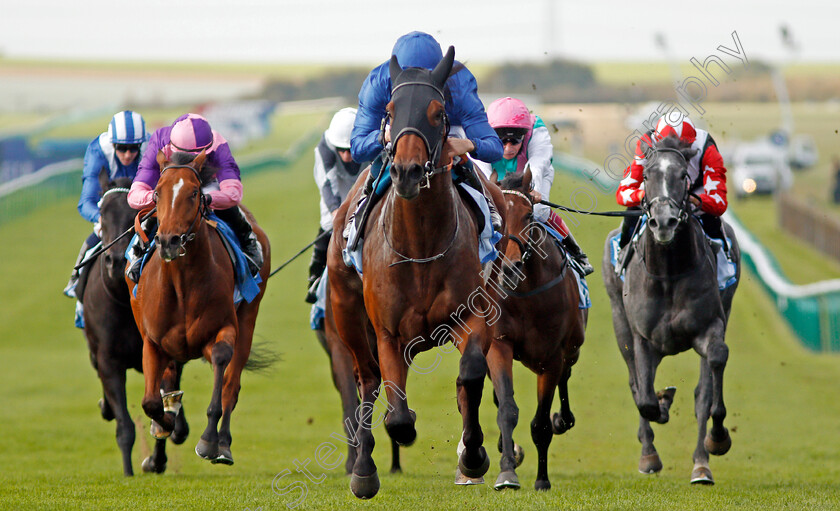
(713, 200)
(629, 191)
(373, 97)
(468, 112)
(540, 154)
(91, 192)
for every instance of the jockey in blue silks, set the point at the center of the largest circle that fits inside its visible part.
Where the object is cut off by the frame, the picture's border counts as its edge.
(470, 132)
(118, 150)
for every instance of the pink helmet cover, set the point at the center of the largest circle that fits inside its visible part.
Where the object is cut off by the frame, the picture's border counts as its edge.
(192, 133)
(509, 112)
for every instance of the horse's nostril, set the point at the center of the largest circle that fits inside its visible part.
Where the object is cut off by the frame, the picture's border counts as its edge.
(672, 222)
(175, 240)
(653, 222)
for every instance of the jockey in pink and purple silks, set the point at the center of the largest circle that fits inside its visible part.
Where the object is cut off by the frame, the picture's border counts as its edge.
(191, 133)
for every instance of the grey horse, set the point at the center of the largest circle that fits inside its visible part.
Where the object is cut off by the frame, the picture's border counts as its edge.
(669, 302)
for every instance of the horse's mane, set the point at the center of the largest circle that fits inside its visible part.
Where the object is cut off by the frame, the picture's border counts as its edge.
(512, 181)
(677, 144)
(182, 158)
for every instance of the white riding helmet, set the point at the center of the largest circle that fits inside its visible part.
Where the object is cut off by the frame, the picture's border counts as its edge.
(338, 134)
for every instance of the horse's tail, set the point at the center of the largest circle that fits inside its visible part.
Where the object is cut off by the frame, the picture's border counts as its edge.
(262, 357)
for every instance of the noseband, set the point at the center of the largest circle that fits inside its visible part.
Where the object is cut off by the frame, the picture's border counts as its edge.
(200, 213)
(525, 247)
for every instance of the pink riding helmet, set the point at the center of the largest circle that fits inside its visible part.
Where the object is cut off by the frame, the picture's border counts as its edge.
(192, 133)
(509, 113)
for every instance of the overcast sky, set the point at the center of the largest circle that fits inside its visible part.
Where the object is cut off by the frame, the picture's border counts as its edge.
(363, 31)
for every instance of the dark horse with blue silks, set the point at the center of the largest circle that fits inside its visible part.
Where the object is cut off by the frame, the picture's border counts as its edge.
(670, 301)
(421, 269)
(113, 339)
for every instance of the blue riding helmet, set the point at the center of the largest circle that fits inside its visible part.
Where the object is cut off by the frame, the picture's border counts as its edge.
(127, 127)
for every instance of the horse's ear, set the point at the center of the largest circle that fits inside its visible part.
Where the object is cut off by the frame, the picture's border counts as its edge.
(161, 159)
(526, 178)
(198, 162)
(394, 68)
(104, 179)
(441, 71)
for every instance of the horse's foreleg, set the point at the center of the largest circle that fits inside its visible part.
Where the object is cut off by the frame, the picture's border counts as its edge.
(500, 365)
(473, 461)
(716, 353)
(399, 421)
(646, 360)
(221, 353)
(154, 363)
(113, 386)
(171, 383)
(541, 432)
(565, 420)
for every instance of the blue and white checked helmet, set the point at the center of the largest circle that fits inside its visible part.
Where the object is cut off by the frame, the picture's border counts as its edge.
(127, 127)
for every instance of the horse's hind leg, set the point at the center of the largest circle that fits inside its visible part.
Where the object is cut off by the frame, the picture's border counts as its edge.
(717, 442)
(341, 364)
(113, 386)
(221, 354)
(500, 365)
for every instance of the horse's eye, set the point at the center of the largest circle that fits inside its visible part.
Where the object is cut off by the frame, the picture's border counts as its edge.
(195, 194)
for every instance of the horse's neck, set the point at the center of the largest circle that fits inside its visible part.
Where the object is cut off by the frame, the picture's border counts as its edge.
(683, 254)
(435, 210)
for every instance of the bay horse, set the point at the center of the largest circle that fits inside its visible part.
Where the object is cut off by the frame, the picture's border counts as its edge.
(184, 303)
(670, 302)
(113, 340)
(420, 272)
(541, 326)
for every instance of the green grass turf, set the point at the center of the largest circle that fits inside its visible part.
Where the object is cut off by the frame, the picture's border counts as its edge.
(57, 453)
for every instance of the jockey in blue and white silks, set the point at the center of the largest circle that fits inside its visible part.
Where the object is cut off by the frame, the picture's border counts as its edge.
(116, 150)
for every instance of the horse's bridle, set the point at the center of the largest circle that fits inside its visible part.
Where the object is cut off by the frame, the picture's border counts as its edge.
(199, 214)
(440, 134)
(683, 206)
(526, 247)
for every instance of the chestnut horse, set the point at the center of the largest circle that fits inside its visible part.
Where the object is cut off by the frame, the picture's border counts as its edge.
(184, 303)
(421, 270)
(541, 326)
(114, 343)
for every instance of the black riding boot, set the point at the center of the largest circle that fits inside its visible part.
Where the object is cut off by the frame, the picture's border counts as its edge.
(713, 227)
(317, 265)
(628, 229)
(236, 220)
(139, 249)
(365, 204)
(470, 174)
(577, 254)
(70, 288)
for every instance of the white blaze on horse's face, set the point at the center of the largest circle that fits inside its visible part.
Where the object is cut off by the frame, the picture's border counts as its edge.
(175, 189)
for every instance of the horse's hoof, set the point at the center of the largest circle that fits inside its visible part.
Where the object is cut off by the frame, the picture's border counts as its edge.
(478, 471)
(560, 426)
(179, 438)
(507, 479)
(718, 448)
(207, 450)
(364, 487)
(541, 485)
(462, 480)
(396, 470)
(105, 409)
(224, 457)
(518, 454)
(650, 463)
(172, 401)
(158, 432)
(405, 433)
(701, 474)
(666, 399)
(149, 466)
